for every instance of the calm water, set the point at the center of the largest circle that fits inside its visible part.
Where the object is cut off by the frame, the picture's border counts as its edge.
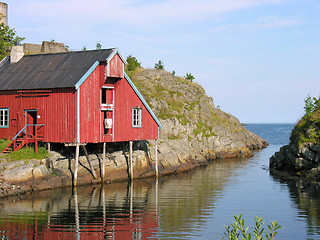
(195, 205)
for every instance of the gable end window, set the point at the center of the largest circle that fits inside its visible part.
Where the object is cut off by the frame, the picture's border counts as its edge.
(136, 117)
(4, 117)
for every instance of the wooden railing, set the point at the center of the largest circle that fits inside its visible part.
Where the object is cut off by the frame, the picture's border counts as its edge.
(25, 136)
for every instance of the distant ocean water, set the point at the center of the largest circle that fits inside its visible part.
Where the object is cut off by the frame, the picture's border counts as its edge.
(273, 133)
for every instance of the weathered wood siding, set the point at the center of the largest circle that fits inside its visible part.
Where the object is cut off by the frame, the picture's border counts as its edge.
(90, 106)
(116, 67)
(55, 108)
(125, 100)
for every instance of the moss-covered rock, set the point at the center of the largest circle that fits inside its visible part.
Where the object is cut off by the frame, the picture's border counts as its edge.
(302, 155)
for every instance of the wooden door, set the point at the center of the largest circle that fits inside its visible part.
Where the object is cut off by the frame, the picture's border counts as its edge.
(31, 121)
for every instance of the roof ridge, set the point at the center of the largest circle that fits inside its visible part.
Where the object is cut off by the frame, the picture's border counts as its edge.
(80, 51)
(4, 61)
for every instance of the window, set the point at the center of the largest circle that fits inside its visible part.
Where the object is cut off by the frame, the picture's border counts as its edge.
(136, 117)
(4, 117)
(104, 96)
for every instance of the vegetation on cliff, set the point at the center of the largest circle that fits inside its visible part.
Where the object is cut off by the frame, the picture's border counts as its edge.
(302, 155)
(307, 129)
(177, 97)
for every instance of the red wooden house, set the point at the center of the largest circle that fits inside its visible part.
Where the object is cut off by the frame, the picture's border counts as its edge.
(72, 97)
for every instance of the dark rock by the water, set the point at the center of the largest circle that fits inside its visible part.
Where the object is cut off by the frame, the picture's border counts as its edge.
(302, 155)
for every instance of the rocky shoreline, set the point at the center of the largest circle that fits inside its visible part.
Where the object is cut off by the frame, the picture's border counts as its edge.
(25, 176)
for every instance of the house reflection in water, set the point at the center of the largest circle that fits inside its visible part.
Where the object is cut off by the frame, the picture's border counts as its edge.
(86, 213)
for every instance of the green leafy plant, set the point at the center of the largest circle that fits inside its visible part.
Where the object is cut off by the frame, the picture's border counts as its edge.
(189, 76)
(133, 63)
(237, 229)
(159, 65)
(98, 46)
(8, 38)
(311, 104)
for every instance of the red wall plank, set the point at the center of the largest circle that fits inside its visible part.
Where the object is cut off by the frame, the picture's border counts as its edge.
(116, 67)
(56, 109)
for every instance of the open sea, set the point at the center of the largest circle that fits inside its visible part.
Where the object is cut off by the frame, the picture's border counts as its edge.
(193, 205)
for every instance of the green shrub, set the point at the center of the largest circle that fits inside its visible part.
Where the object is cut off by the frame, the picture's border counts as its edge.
(133, 63)
(189, 76)
(237, 229)
(311, 105)
(159, 65)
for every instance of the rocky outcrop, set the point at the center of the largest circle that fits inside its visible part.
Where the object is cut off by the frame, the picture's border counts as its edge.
(192, 126)
(302, 155)
(194, 132)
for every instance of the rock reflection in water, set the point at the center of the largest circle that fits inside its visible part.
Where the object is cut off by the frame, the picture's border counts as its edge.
(306, 196)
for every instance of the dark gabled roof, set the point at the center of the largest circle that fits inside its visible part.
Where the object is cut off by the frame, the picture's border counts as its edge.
(45, 71)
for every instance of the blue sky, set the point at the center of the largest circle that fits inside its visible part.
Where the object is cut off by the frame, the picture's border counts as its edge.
(257, 59)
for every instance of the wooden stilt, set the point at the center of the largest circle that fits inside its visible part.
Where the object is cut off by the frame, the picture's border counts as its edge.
(36, 142)
(156, 148)
(89, 162)
(76, 166)
(49, 147)
(130, 165)
(103, 161)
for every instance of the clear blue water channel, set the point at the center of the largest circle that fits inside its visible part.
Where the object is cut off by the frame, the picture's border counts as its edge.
(194, 205)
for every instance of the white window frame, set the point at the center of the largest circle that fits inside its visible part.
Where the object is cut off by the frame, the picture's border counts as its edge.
(4, 117)
(136, 117)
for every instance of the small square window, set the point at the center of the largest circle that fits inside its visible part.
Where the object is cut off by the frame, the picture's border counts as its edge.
(4, 117)
(136, 117)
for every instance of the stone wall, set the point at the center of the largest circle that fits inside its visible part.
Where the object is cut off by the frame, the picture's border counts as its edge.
(44, 48)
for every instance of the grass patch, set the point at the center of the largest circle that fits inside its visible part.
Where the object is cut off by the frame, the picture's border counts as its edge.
(173, 137)
(205, 129)
(307, 130)
(26, 153)
(176, 105)
(3, 144)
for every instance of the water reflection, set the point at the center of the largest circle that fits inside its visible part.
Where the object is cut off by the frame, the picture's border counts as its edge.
(175, 206)
(306, 197)
(86, 213)
(194, 205)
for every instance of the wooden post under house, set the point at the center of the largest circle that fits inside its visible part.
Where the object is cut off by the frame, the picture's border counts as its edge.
(156, 148)
(76, 166)
(130, 162)
(89, 162)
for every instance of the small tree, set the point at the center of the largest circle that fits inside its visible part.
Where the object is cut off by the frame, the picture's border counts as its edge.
(173, 72)
(311, 104)
(133, 63)
(8, 38)
(98, 46)
(189, 76)
(159, 65)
